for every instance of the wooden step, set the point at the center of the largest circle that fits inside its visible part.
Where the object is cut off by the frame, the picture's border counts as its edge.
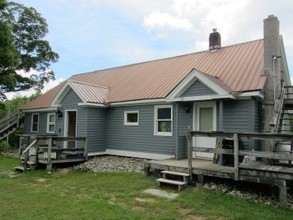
(31, 162)
(175, 173)
(180, 184)
(184, 175)
(21, 168)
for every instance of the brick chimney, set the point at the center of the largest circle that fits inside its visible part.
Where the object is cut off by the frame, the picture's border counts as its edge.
(214, 40)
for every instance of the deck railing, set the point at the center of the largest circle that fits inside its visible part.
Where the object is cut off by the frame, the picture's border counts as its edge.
(235, 151)
(270, 174)
(50, 145)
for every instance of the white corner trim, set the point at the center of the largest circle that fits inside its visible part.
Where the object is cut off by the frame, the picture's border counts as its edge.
(139, 154)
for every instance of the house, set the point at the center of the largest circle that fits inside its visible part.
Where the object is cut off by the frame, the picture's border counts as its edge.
(146, 109)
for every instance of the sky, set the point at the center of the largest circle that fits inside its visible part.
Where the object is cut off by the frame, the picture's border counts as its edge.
(92, 35)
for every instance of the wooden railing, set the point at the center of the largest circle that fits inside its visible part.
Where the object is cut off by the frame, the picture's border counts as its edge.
(9, 122)
(49, 144)
(236, 152)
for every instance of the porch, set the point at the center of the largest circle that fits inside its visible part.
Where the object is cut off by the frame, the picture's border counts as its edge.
(49, 150)
(274, 168)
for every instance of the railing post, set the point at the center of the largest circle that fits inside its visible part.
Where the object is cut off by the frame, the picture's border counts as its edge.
(190, 154)
(49, 162)
(236, 157)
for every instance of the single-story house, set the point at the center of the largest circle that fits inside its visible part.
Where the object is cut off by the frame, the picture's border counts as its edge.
(146, 109)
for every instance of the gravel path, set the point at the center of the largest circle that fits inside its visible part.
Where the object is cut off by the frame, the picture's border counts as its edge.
(112, 164)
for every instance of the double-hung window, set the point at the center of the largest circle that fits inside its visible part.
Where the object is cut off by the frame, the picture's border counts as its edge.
(51, 122)
(35, 122)
(163, 120)
(131, 118)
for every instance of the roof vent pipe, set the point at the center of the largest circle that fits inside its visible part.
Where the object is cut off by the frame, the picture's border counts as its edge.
(214, 40)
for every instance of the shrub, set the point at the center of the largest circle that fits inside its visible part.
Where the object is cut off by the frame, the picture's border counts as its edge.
(4, 146)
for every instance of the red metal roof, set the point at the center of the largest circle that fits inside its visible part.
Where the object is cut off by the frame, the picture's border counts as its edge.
(239, 67)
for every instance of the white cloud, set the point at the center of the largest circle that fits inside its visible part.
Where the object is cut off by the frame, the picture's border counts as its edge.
(158, 19)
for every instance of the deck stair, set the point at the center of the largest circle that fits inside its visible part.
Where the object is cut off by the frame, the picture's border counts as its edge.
(9, 124)
(169, 178)
(282, 122)
(28, 158)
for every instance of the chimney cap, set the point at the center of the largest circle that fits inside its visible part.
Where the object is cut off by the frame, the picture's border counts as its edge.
(214, 29)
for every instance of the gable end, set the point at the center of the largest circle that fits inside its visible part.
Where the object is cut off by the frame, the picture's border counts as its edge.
(197, 89)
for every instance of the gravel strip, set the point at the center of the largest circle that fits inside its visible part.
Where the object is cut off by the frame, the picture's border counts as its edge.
(260, 197)
(112, 164)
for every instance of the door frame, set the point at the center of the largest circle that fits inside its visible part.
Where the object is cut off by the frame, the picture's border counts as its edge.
(66, 124)
(196, 108)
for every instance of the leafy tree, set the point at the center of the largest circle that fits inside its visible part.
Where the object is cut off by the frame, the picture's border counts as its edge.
(22, 47)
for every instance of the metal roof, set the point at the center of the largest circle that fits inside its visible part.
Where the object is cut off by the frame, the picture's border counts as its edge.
(90, 93)
(240, 68)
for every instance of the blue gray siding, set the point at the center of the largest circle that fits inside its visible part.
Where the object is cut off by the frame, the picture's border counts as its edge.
(197, 89)
(139, 138)
(42, 123)
(185, 125)
(96, 129)
(105, 128)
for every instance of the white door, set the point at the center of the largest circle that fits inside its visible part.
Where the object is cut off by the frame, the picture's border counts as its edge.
(204, 120)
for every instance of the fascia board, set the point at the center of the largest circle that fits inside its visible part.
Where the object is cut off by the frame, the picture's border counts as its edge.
(40, 110)
(202, 98)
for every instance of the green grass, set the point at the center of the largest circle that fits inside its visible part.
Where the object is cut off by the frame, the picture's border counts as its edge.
(80, 195)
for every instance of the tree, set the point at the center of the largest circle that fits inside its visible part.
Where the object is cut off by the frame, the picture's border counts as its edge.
(23, 47)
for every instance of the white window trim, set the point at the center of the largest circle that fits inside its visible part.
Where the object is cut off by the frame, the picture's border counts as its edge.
(156, 132)
(32, 122)
(131, 123)
(51, 123)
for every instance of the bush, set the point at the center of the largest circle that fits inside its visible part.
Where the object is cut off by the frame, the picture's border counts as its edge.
(4, 146)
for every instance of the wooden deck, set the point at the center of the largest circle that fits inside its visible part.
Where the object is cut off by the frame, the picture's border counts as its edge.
(50, 150)
(261, 169)
(199, 167)
(253, 171)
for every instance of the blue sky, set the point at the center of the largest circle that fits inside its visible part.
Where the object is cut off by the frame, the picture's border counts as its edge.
(97, 34)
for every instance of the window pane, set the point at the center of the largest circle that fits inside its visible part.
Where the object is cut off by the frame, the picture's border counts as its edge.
(35, 118)
(164, 113)
(132, 117)
(52, 118)
(206, 119)
(52, 128)
(164, 126)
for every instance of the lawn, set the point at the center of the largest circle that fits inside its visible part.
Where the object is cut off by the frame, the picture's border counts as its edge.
(81, 195)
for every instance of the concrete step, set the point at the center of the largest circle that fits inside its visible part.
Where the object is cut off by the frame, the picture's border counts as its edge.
(180, 184)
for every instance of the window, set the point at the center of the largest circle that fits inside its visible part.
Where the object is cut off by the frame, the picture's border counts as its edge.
(131, 118)
(51, 123)
(163, 120)
(35, 122)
